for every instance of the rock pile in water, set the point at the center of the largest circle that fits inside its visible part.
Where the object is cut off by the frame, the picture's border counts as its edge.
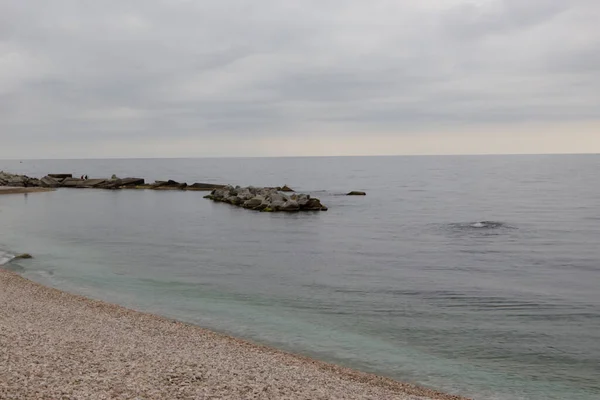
(265, 199)
(253, 198)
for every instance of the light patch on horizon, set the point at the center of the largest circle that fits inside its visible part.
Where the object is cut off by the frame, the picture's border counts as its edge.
(158, 78)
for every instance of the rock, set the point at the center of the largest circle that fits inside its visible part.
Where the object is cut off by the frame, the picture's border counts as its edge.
(204, 186)
(132, 182)
(276, 205)
(92, 183)
(114, 177)
(286, 188)
(254, 202)
(290, 205)
(34, 182)
(168, 185)
(110, 184)
(16, 180)
(60, 176)
(245, 194)
(24, 256)
(314, 205)
(71, 182)
(235, 200)
(49, 181)
(356, 193)
(277, 197)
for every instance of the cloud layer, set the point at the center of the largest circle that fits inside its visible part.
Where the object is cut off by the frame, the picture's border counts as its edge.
(231, 77)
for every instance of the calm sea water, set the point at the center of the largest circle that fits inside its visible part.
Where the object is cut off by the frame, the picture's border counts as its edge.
(407, 282)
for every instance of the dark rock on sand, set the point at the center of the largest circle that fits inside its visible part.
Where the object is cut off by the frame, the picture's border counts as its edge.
(356, 193)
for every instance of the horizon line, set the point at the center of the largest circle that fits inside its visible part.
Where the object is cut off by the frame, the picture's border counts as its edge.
(307, 156)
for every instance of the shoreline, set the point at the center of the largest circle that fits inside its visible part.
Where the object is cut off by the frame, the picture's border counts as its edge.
(57, 344)
(23, 190)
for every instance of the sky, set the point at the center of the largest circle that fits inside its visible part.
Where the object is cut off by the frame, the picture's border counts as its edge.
(194, 78)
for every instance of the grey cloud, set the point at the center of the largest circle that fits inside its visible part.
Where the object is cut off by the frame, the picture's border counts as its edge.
(476, 19)
(104, 71)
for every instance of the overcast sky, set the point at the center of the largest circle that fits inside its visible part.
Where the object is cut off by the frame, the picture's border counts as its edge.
(169, 78)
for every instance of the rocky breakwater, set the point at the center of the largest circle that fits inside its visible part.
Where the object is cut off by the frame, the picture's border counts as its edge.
(14, 180)
(68, 181)
(265, 199)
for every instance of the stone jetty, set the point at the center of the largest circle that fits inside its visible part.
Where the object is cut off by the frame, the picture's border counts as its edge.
(268, 199)
(265, 199)
(68, 181)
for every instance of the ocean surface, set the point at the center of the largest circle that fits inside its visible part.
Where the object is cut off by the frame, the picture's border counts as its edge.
(475, 275)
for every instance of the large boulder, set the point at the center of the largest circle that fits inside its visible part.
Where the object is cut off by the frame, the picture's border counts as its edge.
(235, 200)
(16, 180)
(254, 202)
(168, 185)
(275, 205)
(132, 182)
(71, 182)
(49, 181)
(109, 184)
(290, 205)
(314, 205)
(33, 182)
(302, 199)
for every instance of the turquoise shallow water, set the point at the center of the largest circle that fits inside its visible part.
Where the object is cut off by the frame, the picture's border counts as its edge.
(409, 281)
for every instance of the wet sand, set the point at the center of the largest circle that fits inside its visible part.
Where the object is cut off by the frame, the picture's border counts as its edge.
(19, 190)
(55, 345)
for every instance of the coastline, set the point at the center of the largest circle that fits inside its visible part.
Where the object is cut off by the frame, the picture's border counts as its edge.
(58, 344)
(23, 190)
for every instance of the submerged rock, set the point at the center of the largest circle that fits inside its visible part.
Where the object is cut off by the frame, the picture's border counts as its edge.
(356, 193)
(24, 256)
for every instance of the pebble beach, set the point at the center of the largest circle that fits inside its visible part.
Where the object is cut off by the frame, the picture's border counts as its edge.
(56, 345)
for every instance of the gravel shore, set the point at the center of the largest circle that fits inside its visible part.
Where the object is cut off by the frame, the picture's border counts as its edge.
(55, 345)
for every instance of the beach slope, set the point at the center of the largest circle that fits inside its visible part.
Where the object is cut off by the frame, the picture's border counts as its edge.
(58, 345)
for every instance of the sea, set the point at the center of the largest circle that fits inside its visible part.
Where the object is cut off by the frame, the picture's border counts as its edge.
(473, 275)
